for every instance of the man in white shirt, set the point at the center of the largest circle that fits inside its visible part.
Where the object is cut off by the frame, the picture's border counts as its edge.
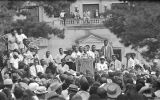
(137, 62)
(115, 64)
(131, 62)
(89, 52)
(81, 49)
(48, 57)
(75, 54)
(28, 56)
(62, 15)
(14, 61)
(63, 67)
(20, 37)
(101, 66)
(36, 68)
(96, 53)
(60, 56)
(85, 54)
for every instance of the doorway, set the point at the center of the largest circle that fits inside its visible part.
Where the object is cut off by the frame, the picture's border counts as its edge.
(118, 53)
(91, 8)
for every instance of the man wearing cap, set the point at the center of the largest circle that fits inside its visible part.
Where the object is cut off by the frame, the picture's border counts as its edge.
(8, 88)
(101, 66)
(115, 64)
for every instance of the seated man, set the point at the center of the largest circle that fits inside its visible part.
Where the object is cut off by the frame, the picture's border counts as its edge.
(101, 66)
(48, 57)
(14, 61)
(63, 67)
(115, 64)
(36, 68)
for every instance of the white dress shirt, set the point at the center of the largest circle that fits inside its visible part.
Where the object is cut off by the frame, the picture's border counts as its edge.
(36, 69)
(91, 54)
(76, 54)
(131, 63)
(116, 65)
(101, 67)
(62, 69)
(59, 57)
(15, 62)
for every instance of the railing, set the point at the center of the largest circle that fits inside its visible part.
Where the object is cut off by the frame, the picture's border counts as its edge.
(75, 22)
(93, 21)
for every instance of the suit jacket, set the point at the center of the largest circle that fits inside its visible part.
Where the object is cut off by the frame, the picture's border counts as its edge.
(107, 51)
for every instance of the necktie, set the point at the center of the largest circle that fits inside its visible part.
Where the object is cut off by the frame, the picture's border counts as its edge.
(36, 70)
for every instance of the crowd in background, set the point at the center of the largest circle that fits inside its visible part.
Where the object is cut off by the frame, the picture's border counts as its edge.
(26, 76)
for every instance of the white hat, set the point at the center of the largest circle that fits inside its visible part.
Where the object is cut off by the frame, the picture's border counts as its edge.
(85, 95)
(7, 82)
(102, 57)
(157, 93)
(113, 90)
(153, 73)
(41, 90)
(33, 86)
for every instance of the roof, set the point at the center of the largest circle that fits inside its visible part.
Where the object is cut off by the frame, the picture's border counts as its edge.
(91, 35)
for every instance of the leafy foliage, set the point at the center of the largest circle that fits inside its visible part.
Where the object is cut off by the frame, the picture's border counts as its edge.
(54, 8)
(40, 29)
(138, 25)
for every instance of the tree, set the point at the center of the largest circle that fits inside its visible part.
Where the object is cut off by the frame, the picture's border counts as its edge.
(40, 29)
(10, 8)
(54, 8)
(138, 25)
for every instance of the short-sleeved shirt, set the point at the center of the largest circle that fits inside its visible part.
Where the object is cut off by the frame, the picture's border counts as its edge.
(49, 59)
(15, 62)
(21, 37)
(59, 57)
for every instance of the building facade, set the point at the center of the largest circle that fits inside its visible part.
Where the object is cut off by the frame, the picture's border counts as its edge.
(92, 5)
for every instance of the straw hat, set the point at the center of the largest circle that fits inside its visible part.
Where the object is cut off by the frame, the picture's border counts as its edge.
(113, 90)
(7, 82)
(41, 90)
(55, 85)
(157, 93)
(33, 86)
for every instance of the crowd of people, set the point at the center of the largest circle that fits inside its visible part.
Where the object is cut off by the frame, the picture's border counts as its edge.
(26, 76)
